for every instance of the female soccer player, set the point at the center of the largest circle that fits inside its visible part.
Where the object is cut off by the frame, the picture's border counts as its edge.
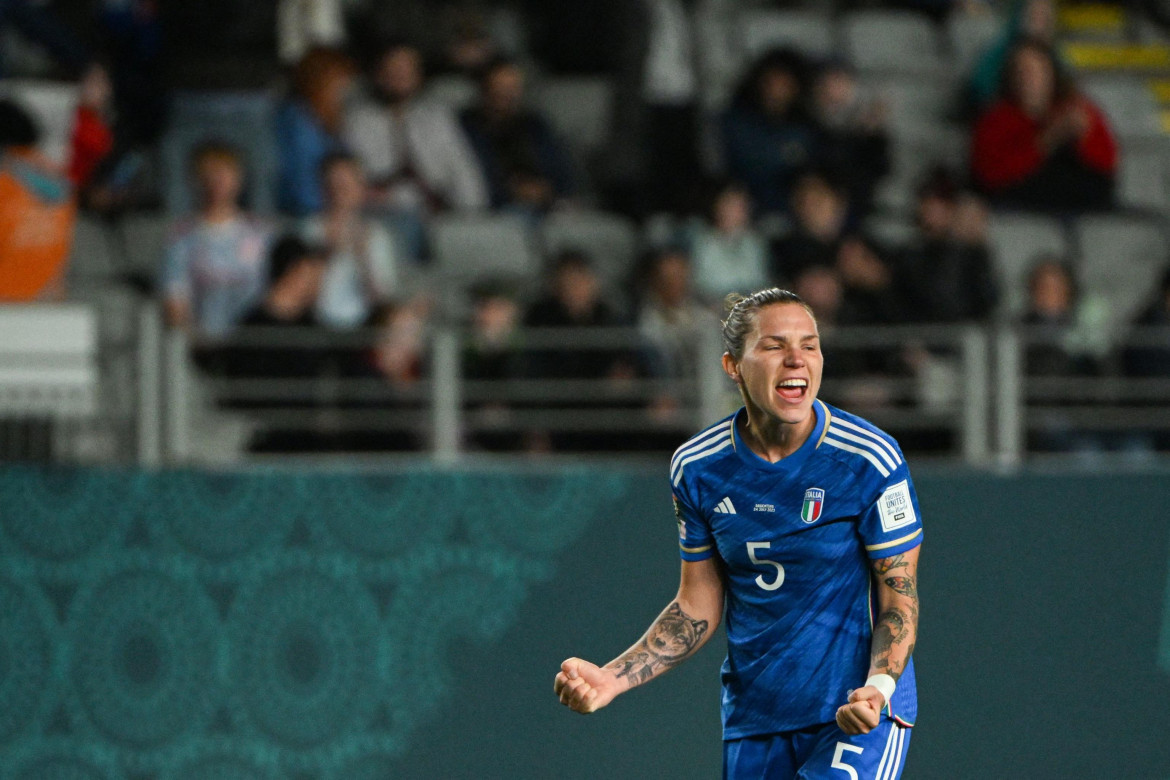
(803, 519)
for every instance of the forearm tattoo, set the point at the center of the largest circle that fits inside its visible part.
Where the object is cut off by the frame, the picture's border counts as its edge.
(896, 629)
(672, 638)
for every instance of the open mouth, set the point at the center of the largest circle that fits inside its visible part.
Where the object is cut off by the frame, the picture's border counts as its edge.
(792, 389)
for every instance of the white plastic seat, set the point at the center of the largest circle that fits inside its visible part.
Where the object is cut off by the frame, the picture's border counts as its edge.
(144, 240)
(1120, 260)
(610, 241)
(1018, 241)
(1141, 179)
(476, 247)
(91, 255)
(52, 105)
(455, 92)
(970, 35)
(1128, 103)
(761, 29)
(892, 42)
(579, 109)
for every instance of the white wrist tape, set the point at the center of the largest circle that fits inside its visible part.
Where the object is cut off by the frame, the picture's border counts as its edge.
(884, 683)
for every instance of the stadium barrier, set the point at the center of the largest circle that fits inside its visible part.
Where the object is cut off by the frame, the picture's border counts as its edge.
(286, 623)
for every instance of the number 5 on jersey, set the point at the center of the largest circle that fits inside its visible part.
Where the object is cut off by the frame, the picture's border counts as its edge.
(763, 583)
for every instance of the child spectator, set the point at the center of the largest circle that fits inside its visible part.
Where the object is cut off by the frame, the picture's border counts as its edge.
(308, 127)
(364, 268)
(729, 255)
(214, 269)
(1043, 145)
(523, 163)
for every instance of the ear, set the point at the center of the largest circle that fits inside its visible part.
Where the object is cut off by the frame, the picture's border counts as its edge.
(731, 367)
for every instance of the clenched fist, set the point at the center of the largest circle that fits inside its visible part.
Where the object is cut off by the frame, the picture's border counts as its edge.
(584, 687)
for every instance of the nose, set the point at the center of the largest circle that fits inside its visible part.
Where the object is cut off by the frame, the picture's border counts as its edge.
(794, 358)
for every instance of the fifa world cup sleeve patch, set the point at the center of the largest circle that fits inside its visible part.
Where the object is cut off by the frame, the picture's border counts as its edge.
(895, 507)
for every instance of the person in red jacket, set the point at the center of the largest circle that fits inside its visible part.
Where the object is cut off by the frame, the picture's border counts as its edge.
(1043, 145)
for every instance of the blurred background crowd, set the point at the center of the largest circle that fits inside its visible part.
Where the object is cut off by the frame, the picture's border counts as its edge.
(309, 188)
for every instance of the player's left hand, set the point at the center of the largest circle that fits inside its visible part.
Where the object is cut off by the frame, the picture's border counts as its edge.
(862, 712)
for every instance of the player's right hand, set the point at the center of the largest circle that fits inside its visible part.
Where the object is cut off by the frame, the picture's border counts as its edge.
(584, 687)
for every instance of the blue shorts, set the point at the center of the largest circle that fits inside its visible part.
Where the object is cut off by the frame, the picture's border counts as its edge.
(819, 752)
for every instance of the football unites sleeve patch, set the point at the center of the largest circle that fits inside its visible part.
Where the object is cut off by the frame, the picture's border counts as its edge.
(895, 507)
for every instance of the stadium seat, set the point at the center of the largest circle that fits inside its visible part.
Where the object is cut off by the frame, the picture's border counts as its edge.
(913, 157)
(761, 29)
(455, 92)
(1120, 259)
(579, 109)
(144, 242)
(610, 241)
(1017, 242)
(917, 108)
(1141, 180)
(52, 104)
(892, 42)
(889, 231)
(472, 248)
(1128, 104)
(969, 35)
(240, 118)
(92, 256)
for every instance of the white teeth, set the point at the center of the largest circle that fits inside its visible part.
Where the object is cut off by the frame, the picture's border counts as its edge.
(793, 383)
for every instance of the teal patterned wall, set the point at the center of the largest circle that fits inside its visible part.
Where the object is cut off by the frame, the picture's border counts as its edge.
(292, 625)
(201, 625)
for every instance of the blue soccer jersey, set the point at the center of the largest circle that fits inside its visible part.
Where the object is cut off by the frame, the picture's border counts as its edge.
(795, 539)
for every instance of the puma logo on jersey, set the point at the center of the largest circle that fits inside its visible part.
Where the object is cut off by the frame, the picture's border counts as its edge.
(725, 507)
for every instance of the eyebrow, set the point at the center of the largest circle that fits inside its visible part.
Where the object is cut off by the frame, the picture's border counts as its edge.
(785, 339)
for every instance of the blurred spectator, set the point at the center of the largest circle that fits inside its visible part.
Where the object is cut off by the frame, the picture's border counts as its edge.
(302, 25)
(36, 213)
(1027, 19)
(523, 163)
(416, 156)
(671, 320)
(133, 46)
(669, 98)
(1043, 145)
(492, 353)
(945, 274)
(399, 348)
(308, 127)
(853, 144)
(767, 135)
(820, 211)
(468, 45)
(37, 22)
(214, 267)
(295, 271)
(363, 270)
(1052, 318)
(1057, 320)
(729, 255)
(575, 302)
(1146, 359)
(93, 137)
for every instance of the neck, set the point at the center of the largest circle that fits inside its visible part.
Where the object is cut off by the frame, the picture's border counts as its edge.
(284, 304)
(220, 212)
(771, 438)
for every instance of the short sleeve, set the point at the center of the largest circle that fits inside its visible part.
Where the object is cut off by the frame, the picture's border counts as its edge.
(694, 536)
(175, 279)
(892, 523)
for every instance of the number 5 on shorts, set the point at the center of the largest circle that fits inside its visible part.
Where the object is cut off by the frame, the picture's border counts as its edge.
(839, 764)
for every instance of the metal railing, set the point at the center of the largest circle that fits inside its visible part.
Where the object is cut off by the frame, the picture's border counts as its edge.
(970, 393)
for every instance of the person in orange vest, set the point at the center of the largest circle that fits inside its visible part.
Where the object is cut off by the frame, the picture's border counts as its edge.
(36, 213)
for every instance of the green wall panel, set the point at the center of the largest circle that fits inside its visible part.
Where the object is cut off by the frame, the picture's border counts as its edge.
(287, 624)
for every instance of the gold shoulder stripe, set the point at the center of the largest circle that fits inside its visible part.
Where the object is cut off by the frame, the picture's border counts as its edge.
(695, 549)
(894, 543)
(828, 419)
